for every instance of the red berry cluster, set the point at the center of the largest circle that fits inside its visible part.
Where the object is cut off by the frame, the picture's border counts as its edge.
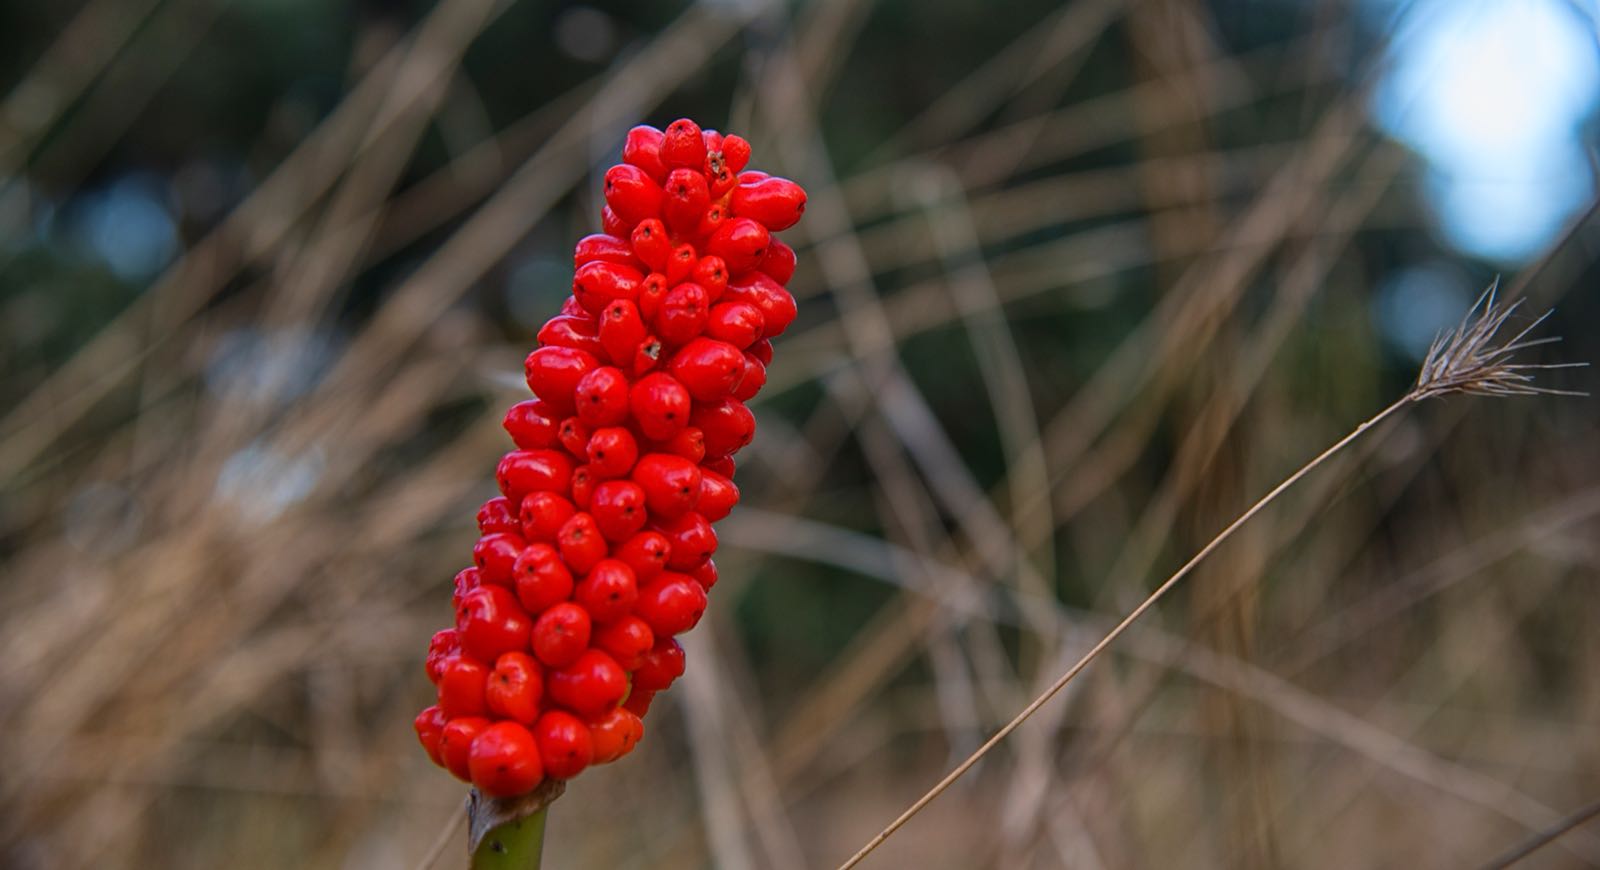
(599, 549)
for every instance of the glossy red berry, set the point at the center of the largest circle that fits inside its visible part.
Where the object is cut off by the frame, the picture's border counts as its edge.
(516, 687)
(583, 483)
(542, 578)
(602, 397)
(466, 580)
(608, 593)
(638, 702)
(776, 305)
(429, 726)
(589, 687)
(683, 313)
(561, 634)
(600, 283)
(741, 243)
(672, 604)
(441, 648)
(646, 553)
(626, 639)
(573, 435)
(492, 622)
(662, 664)
(728, 426)
(580, 543)
(621, 330)
(779, 263)
(680, 263)
(705, 574)
(504, 761)
(495, 555)
(683, 145)
(685, 201)
(709, 369)
(615, 734)
(755, 377)
(762, 350)
(718, 495)
(531, 423)
(565, 746)
(690, 443)
(643, 149)
(455, 744)
(497, 515)
(553, 373)
(574, 332)
(612, 451)
(632, 194)
(541, 516)
(735, 152)
(671, 483)
(776, 203)
(660, 405)
(461, 688)
(712, 274)
(651, 244)
(618, 508)
(692, 540)
(738, 323)
(604, 247)
(524, 471)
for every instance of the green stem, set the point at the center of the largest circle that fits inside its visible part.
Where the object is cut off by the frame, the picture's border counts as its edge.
(515, 845)
(508, 834)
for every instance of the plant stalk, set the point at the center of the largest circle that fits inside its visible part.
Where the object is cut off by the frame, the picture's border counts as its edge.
(508, 834)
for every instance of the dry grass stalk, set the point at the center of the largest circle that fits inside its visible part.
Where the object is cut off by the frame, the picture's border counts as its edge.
(1465, 361)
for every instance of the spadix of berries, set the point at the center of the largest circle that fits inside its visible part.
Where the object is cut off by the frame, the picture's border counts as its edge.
(599, 550)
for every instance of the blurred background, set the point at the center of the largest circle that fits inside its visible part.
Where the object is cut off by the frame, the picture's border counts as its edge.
(1078, 282)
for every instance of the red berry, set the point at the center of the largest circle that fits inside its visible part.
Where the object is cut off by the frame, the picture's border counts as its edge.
(705, 574)
(718, 495)
(662, 664)
(660, 405)
(602, 397)
(646, 553)
(613, 224)
(583, 483)
(621, 330)
(685, 201)
(652, 291)
(580, 543)
(643, 149)
(461, 688)
(728, 426)
(618, 508)
(646, 355)
(740, 242)
(680, 263)
(627, 640)
(525, 471)
(516, 685)
(615, 734)
(553, 373)
(574, 436)
(690, 443)
(737, 323)
(430, 728)
(497, 515)
(504, 761)
(722, 465)
(492, 622)
(691, 538)
(735, 152)
(564, 744)
(601, 246)
(466, 580)
(683, 313)
(651, 244)
(543, 580)
(561, 634)
(612, 452)
(541, 517)
(532, 424)
(683, 145)
(713, 141)
(455, 744)
(755, 377)
(776, 202)
(712, 274)
(441, 647)
(495, 555)
(597, 284)
(593, 684)
(707, 368)
(638, 702)
(608, 592)
(777, 306)
(632, 193)
(671, 483)
(574, 332)
(715, 217)
(779, 262)
(672, 604)
(762, 350)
